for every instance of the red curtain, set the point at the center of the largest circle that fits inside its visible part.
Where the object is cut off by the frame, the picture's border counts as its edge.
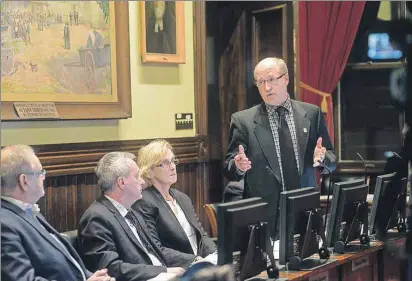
(327, 30)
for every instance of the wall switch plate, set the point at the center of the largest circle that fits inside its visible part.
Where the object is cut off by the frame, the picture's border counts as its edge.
(184, 121)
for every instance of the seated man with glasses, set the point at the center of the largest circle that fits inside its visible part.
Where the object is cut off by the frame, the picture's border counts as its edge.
(113, 235)
(279, 144)
(31, 249)
(169, 213)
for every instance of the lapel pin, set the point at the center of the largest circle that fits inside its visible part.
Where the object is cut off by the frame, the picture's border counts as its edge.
(305, 130)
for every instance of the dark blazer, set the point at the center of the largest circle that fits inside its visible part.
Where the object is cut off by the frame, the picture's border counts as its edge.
(251, 129)
(29, 252)
(233, 191)
(106, 241)
(164, 225)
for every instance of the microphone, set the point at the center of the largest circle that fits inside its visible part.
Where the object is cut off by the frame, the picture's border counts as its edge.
(364, 165)
(389, 154)
(321, 164)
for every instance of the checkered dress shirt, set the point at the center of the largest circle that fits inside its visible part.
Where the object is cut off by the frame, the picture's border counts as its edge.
(274, 125)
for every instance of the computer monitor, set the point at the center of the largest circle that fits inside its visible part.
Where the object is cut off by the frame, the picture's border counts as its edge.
(388, 207)
(243, 237)
(348, 216)
(301, 228)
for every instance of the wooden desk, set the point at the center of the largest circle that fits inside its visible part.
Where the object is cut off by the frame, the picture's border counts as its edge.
(366, 265)
(391, 268)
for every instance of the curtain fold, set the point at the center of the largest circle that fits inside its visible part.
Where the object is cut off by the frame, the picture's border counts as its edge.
(327, 30)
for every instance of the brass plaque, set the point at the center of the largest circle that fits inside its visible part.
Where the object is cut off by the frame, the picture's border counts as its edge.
(36, 110)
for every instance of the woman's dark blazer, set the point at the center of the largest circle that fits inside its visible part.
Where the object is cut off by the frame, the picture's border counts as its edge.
(164, 226)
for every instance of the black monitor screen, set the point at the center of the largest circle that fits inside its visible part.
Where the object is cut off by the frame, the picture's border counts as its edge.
(234, 229)
(296, 207)
(389, 201)
(348, 213)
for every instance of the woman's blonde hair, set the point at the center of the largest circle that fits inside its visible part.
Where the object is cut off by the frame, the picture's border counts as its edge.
(152, 155)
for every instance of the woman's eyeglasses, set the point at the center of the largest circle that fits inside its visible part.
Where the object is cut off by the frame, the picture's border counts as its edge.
(167, 163)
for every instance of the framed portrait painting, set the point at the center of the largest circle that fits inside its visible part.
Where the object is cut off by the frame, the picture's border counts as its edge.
(162, 30)
(74, 54)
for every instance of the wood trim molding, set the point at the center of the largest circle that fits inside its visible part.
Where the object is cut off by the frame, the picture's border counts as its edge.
(199, 45)
(78, 158)
(296, 49)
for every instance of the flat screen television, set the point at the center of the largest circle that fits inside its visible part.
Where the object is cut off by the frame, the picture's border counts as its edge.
(381, 49)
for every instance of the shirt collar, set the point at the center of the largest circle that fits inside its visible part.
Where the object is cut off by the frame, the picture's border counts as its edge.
(122, 209)
(272, 108)
(22, 205)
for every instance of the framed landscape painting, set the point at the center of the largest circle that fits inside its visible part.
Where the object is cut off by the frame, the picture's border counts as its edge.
(162, 30)
(72, 53)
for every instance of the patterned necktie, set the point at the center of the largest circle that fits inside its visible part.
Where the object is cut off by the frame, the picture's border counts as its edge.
(146, 243)
(287, 153)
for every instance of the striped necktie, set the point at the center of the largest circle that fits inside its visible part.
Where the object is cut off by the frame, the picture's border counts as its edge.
(145, 241)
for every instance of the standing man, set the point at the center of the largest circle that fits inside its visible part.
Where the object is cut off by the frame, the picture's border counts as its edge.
(114, 235)
(277, 145)
(31, 249)
(66, 36)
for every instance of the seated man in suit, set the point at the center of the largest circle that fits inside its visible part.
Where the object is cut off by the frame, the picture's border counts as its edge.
(113, 235)
(233, 191)
(31, 249)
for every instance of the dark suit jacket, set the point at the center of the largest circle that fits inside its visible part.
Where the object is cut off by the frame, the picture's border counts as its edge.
(106, 241)
(251, 129)
(233, 191)
(29, 252)
(164, 225)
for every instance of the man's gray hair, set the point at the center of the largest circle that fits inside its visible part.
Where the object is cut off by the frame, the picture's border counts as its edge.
(112, 166)
(15, 160)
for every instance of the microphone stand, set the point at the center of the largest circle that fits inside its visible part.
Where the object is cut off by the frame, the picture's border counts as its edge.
(364, 165)
(329, 189)
(272, 270)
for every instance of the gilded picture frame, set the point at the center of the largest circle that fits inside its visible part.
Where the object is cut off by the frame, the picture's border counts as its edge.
(162, 32)
(88, 101)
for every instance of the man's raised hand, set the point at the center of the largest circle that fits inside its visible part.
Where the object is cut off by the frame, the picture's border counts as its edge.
(241, 161)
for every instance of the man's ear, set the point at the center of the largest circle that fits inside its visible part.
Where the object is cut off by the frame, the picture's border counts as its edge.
(23, 182)
(120, 182)
(287, 78)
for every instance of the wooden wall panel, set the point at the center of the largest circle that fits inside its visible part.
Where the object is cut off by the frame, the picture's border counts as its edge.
(71, 185)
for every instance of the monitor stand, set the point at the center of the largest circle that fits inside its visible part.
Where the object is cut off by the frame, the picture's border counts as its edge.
(312, 263)
(306, 264)
(353, 248)
(395, 235)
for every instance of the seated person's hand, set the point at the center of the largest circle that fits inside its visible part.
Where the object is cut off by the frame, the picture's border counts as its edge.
(197, 259)
(175, 270)
(101, 275)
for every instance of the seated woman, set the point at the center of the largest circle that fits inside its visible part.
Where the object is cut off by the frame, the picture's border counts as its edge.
(169, 213)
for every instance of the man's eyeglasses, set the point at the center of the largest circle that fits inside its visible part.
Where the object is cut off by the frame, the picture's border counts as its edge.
(167, 163)
(270, 81)
(43, 173)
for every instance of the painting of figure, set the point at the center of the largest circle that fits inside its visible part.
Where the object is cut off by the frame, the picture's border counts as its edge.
(161, 27)
(56, 50)
(162, 31)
